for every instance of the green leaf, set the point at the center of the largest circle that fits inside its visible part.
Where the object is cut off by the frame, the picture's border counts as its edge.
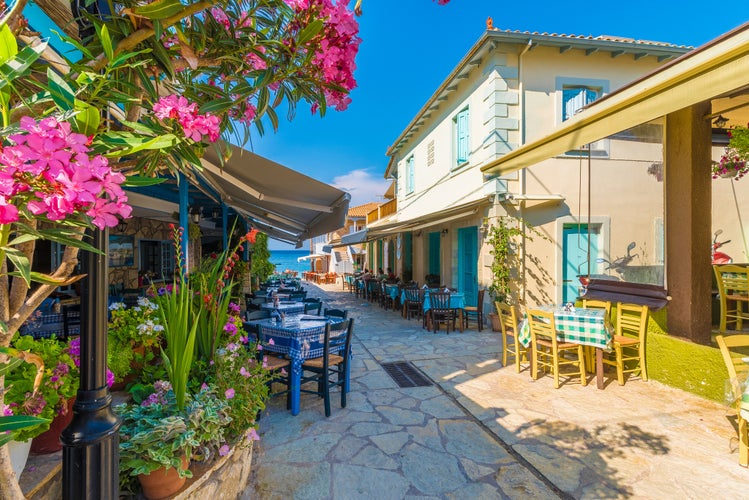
(60, 90)
(83, 50)
(139, 181)
(12, 363)
(24, 238)
(132, 144)
(157, 30)
(309, 32)
(217, 105)
(87, 120)
(8, 44)
(16, 67)
(60, 236)
(160, 9)
(106, 41)
(20, 262)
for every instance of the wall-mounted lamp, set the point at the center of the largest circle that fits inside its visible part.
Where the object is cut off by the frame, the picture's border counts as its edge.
(484, 227)
(444, 232)
(720, 121)
(121, 226)
(195, 213)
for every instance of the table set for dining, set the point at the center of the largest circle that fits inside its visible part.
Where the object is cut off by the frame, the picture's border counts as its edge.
(588, 327)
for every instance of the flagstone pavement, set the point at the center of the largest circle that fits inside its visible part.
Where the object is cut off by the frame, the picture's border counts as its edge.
(483, 431)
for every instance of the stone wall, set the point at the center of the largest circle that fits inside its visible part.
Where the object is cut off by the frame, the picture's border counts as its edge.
(226, 477)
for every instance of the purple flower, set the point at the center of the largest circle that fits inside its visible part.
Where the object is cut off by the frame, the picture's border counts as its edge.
(233, 307)
(252, 435)
(229, 393)
(110, 378)
(224, 450)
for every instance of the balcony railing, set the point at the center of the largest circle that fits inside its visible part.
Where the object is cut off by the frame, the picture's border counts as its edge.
(382, 211)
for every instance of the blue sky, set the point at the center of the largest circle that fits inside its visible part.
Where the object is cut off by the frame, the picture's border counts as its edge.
(410, 46)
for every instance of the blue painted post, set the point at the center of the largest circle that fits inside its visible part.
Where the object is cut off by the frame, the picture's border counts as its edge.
(184, 220)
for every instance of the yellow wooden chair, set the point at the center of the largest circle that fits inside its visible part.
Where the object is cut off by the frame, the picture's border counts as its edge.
(629, 341)
(548, 351)
(733, 287)
(737, 374)
(510, 344)
(590, 357)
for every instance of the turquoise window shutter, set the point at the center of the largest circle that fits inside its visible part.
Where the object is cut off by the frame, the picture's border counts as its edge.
(462, 137)
(410, 175)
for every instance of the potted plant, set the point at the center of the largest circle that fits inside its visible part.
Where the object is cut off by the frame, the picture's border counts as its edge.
(734, 162)
(134, 334)
(158, 439)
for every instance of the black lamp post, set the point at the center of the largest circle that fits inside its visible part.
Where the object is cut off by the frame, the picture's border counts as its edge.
(90, 453)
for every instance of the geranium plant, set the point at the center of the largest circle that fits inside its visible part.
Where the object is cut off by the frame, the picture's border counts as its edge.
(734, 162)
(133, 332)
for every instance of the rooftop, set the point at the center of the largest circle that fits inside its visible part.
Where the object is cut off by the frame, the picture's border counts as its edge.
(362, 210)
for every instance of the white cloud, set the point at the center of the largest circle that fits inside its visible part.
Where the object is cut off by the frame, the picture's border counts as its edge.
(362, 185)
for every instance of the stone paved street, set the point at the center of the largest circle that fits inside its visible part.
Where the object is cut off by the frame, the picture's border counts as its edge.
(483, 431)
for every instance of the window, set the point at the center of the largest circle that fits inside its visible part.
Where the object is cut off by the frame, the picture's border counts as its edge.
(575, 98)
(410, 175)
(462, 147)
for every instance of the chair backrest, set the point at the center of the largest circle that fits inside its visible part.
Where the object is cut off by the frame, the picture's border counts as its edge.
(632, 321)
(598, 304)
(507, 318)
(261, 314)
(338, 338)
(732, 279)
(480, 303)
(412, 295)
(335, 313)
(440, 301)
(735, 348)
(312, 307)
(542, 326)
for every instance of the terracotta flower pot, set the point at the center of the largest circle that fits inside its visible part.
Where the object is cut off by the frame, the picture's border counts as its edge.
(496, 326)
(162, 482)
(49, 441)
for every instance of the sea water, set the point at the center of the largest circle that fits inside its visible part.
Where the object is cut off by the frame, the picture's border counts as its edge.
(287, 259)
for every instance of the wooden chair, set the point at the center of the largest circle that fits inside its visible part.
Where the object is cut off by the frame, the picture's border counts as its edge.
(733, 287)
(590, 359)
(313, 307)
(510, 344)
(413, 305)
(440, 311)
(477, 312)
(737, 374)
(277, 364)
(629, 341)
(548, 351)
(332, 368)
(335, 313)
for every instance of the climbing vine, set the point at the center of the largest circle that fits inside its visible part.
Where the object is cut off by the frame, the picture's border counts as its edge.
(500, 238)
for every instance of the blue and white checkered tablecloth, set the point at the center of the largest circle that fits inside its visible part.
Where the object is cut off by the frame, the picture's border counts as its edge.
(286, 307)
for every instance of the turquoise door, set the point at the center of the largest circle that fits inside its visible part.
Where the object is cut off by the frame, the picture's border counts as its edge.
(575, 257)
(434, 253)
(468, 263)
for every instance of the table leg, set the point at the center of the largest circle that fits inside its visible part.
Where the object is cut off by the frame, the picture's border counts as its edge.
(296, 385)
(599, 367)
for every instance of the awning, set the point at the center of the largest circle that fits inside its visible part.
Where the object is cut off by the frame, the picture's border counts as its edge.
(717, 68)
(432, 219)
(312, 256)
(653, 296)
(354, 238)
(281, 202)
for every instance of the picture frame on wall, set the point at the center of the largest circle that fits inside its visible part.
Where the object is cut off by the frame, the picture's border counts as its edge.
(121, 250)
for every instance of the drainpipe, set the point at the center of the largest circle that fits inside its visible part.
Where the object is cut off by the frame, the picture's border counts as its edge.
(521, 174)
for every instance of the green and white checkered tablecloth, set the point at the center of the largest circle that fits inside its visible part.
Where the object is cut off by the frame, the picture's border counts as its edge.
(583, 326)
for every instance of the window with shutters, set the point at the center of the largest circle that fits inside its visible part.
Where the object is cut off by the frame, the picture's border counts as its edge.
(462, 142)
(576, 95)
(410, 175)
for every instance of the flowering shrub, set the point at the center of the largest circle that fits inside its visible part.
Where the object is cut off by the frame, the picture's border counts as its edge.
(59, 383)
(133, 333)
(242, 379)
(734, 161)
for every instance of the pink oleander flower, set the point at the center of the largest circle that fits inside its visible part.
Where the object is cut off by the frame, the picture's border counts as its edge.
(47, 170)
(195, 126)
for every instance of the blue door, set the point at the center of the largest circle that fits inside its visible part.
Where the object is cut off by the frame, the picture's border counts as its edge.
(468, 263)
(434, 253)
(575, 258)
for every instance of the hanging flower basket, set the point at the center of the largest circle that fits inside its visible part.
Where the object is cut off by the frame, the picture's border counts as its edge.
(734, 163)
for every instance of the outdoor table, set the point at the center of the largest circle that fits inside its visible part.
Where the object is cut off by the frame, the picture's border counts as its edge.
(300, 337)
(286, 307)
(392, 291)
(579, 326)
